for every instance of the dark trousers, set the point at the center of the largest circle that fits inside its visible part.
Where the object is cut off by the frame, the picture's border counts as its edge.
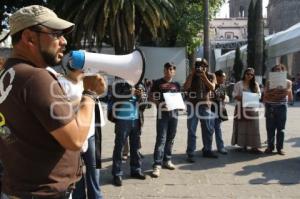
(123, 129)
(275, 122)
(166, 125)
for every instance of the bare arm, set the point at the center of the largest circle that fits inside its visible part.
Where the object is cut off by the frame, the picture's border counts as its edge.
(72, 135)
(290, 92)
(210, 84)
(188, 82)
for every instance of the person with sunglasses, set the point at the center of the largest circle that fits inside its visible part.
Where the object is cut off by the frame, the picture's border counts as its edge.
(275, 100)
(246, 119)
(40, 134)
(199, 85)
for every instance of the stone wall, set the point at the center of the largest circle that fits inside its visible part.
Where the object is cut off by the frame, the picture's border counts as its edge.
(238, 8)
(283, 14)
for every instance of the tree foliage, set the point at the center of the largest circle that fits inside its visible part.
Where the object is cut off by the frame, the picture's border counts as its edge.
(116, 22)
(251, 34)
(259, 38)
(125, 23)
(238, 65)
(9, 6)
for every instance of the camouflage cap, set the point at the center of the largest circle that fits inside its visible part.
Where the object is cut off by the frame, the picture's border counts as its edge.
(34, 15)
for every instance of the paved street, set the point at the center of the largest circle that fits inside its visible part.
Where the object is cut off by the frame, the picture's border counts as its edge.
(236, 175)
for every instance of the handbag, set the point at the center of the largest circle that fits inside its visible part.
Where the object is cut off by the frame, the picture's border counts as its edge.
(223, 115)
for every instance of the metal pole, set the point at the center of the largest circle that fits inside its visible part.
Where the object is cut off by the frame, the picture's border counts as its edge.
(206, 31)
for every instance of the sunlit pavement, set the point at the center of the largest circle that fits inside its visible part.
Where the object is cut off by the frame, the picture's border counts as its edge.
(236, 175)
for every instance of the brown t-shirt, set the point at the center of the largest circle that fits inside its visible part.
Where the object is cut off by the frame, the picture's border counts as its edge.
(32, 104)
(199, 92)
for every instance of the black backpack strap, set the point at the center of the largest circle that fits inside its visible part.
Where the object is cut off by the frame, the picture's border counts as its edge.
(98, 136)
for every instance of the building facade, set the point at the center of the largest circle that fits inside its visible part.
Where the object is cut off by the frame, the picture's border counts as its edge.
(238, 8)
(282, 14)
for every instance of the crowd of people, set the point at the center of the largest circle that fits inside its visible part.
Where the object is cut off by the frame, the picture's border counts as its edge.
(50, 122)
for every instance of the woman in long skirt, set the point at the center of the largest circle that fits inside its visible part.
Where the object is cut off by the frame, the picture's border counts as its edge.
(246, 121)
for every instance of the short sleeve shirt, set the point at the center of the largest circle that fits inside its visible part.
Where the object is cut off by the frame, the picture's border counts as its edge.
(32, 104)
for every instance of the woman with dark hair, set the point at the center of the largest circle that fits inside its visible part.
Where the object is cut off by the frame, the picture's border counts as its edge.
(246, 123)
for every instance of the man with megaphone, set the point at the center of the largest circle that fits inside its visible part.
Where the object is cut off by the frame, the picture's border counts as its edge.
(41, 138)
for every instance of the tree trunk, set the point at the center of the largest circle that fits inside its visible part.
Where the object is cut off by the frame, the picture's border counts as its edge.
(206, 30)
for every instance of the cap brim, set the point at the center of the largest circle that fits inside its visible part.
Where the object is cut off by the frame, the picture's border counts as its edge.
(59, 24)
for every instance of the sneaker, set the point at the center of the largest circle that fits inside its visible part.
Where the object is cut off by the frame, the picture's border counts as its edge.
(280, 152)
(190, 159)
(156, 172)
(169, 165)
(223, 151)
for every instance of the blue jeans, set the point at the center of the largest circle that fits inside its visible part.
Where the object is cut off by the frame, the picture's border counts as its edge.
(218, 134)
(207, 118)
(166, 125)
(123, 129)
(92, 176)
(275, 120)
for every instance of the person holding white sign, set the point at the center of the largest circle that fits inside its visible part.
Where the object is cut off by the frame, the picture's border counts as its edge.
(275, 100)
(246, 124)
(166, 122)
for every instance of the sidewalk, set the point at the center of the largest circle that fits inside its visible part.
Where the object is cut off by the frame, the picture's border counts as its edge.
(236, 175)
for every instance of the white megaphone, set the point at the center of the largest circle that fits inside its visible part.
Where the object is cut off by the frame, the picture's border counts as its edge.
(130, 67)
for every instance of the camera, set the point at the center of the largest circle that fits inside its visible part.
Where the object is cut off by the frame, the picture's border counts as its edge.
(198, 66)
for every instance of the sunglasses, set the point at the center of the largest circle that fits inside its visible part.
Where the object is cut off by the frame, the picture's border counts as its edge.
(57, 34)
(250, 74)
(172, 68)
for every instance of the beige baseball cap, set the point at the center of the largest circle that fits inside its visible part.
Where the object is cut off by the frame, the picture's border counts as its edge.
(34, 15)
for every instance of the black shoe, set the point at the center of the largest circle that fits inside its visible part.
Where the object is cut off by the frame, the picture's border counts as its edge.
(117, 181)
(190, 159)
(138, 175)
(209, 154)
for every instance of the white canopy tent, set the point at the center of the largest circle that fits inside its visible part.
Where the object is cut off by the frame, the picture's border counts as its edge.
(278, 44)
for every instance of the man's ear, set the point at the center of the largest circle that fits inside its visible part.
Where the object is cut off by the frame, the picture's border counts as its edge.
(27, 36)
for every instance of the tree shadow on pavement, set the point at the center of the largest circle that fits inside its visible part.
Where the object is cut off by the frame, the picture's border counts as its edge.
(295, 142)
(285, 172)
(234, 155)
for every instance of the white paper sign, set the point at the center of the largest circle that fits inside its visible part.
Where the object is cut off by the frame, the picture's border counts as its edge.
(278, 80)
(174, 101)
(250, 99)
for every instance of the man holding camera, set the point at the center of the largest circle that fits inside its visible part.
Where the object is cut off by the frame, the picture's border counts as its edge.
(199, 85)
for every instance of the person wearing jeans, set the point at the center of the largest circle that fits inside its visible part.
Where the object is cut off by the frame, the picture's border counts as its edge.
(206, 117)
(166, 121)
(129, 115)
(218, 107)
(199, 85)
(91, 177)
(166, 131)
(276, 111)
